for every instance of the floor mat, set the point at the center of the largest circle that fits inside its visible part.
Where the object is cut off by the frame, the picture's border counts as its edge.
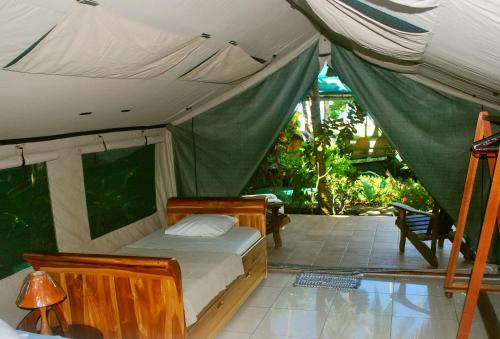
(336, 280)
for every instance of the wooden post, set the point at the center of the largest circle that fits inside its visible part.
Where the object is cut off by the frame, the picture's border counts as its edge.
(464, 207)
(483, 250)
(492, 216)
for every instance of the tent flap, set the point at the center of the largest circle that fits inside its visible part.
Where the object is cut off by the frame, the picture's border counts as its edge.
(432, 131)
(92, 41)
(371, 29)
(217, 151)
(227, 66)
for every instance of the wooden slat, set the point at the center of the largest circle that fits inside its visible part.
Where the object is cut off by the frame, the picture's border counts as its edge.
(419, 228)
(483, 249)
(254, 254)
(416, 218)
(126, 307)
(417, 222)
(152, 302)
(402, 207)
(460, 286)
(465, 202)
(74, 283)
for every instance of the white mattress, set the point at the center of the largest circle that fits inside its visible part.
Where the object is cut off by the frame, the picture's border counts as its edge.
(204, 274)
(237, 240)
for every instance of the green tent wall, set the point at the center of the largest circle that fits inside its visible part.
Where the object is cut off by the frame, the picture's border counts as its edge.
(217, 152)
(432, 131)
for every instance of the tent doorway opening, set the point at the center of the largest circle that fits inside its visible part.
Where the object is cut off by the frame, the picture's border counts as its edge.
(337, 174)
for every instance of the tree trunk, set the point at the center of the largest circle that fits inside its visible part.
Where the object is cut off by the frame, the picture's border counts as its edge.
(323, 194)
(307, 116)
(326, 105)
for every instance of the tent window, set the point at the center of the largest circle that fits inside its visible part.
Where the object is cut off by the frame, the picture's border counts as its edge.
(383, 17)
(119, 187)
(26, 222)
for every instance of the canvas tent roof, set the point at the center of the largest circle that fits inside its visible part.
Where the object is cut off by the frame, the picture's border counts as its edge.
(52, 103)
(453, 46)
(224, 76)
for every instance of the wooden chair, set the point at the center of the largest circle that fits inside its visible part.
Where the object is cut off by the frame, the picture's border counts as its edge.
(275, 220)
(419, 226)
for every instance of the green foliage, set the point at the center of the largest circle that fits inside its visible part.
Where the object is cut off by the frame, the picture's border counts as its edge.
(376, 190)
(291, 163)
(119, 187)
(341, 122)
(411, 192)
(26, 222)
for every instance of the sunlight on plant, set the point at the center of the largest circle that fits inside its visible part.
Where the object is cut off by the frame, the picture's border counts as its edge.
(290, 170)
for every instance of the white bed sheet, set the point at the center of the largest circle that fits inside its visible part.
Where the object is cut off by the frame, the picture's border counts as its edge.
(237, 240)
(204, 274)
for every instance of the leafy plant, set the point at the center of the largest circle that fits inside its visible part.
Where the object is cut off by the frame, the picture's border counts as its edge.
(291, 163)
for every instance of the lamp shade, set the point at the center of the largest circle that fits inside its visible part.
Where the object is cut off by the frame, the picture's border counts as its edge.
(39, 290)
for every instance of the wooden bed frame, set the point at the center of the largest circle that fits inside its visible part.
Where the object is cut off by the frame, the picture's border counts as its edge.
(141, 297)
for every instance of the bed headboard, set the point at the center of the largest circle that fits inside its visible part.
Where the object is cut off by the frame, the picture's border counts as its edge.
(122, 297)
(249, 211)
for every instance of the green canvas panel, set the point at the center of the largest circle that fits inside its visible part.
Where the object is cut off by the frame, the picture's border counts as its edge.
(217, 152)
(119, 187)
(26, 222)
(432, 131)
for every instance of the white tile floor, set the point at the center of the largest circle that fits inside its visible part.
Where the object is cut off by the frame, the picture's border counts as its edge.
(383, 307)
(349, 241)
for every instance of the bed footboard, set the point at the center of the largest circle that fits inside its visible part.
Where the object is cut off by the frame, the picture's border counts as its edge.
(123, 297)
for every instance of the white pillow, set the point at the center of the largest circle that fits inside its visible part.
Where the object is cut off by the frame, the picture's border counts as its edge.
(7, 332)
(203, 225)
(270, 197)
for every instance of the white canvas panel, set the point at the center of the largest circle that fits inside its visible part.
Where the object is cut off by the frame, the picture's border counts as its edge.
(29, 159)
(401, 67)
(105, 145)
(35, 158)
(260, 76)
(370, 33)
(67, 190)
(465, 48)
(24, 22)
(43, 105)
(67, 197)
(121, 237)
(92, 41)
(414, 3)
(166, 186)
(424, 18)
(227, 66)
(10, 162)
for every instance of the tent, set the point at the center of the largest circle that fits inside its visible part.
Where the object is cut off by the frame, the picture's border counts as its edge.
(331, 85)
(109, 107)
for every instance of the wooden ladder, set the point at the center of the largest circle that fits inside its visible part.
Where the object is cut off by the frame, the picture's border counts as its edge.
(491, 217)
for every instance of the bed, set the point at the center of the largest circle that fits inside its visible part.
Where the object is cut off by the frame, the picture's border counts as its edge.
(139, 290)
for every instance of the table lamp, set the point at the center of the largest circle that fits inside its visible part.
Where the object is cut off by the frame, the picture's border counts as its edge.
(39, 290)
